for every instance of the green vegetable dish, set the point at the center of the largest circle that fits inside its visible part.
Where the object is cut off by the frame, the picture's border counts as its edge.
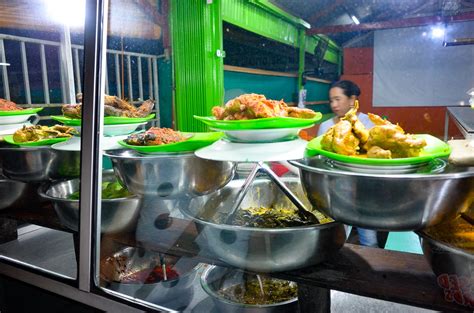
(110, 190)
(270, 291)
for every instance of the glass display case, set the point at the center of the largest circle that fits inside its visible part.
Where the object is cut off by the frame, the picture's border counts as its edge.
(170, 155)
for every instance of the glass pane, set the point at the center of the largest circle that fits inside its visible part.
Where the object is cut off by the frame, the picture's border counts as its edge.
(41, 64)
(201, 209)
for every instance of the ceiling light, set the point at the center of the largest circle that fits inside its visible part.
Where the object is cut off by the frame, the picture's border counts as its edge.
(355, 19)
(437, 32)
(70, 12)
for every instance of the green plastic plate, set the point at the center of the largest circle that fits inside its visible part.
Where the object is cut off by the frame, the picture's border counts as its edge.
(434, 148)
(196, 141)
(45, 142)
(259, 123)
(20, 112)
(108, 120)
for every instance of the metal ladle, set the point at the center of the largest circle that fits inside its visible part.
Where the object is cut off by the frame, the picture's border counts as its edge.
(262, 167)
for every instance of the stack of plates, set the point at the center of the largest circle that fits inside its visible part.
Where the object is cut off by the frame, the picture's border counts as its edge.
(113, 125)
(10, 121)
(263, 139)
(423, 163)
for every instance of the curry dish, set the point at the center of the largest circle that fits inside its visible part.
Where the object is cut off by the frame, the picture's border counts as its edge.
(251, 292)
(458, 233)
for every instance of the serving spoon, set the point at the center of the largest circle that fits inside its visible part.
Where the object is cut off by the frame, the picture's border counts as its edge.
(262, 167)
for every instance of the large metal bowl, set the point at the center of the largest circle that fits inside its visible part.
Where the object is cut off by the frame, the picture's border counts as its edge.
(216, 278)
(393, 202)
(38, 164)
(170, 175)
(446, 259)
(160, 292)
(261, 249)
(11, 192)
(116, 214)
(27, 164)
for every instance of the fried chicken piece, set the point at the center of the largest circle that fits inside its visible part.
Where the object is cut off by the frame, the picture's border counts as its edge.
(252, 106)
(357, 127)
(300, 112)
(6, 105)
(113, 106)
(389, 137)
(379, 153)
(340, 139)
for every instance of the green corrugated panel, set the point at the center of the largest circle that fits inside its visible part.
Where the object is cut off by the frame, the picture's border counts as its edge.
(333, 52)
(250, 15)
(255, 19)
(196, 29)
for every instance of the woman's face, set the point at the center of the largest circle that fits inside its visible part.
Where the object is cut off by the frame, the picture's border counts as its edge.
(340, 103)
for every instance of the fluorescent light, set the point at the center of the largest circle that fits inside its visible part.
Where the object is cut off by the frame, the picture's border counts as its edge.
(437, 32)
(70, 12)
(355, 19)
(4, 64)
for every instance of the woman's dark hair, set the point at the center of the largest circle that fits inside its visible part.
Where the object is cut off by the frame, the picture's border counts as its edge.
(349, 88)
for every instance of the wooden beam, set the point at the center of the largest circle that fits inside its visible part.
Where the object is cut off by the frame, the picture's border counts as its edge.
(148, 9)
(315, 17)
(408, 22)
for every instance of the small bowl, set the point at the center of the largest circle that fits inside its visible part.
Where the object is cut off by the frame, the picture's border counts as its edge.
(391, 202)
(117, 215)
(215, 278)
(136, 259)
(169, 175)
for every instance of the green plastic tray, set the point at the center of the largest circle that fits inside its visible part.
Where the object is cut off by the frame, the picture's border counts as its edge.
(20, 112)
(45, 142)
(108, 120)
(434, 148)
(196, 141)
(259, 123)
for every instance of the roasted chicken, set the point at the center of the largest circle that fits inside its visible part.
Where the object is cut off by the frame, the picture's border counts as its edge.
(113, 106)
(253, 106)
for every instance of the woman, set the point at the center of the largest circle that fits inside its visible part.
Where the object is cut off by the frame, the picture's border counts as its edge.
(342, 96)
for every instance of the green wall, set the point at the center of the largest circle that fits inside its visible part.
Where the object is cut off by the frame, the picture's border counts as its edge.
(165, 86)
(274, 87)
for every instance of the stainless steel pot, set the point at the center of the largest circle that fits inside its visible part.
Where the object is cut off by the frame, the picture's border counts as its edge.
(261, 249)
(393, 202)
(11, 192)
(170, 175)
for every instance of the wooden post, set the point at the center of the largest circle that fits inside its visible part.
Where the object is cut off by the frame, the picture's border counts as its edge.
(314, 299)
(8, 230)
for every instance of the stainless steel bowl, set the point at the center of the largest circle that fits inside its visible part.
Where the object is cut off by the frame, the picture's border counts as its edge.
(393, 202)
(11, 192)
(170, 175)
(137, 259)
(27, 164)
(116, 214)
(261, 249)
(446, 259)
(216, 278)
(37, 164)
